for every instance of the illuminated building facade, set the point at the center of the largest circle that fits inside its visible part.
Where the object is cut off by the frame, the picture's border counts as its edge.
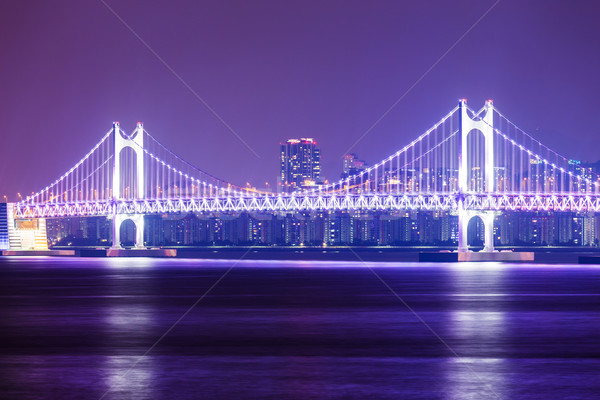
(300, 164)
(4, 242)
(352, 165)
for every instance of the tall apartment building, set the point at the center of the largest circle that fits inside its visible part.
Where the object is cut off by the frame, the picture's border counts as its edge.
(300, 164)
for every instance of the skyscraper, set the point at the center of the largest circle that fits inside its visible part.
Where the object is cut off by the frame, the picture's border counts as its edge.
(300, 164)
(352, 165)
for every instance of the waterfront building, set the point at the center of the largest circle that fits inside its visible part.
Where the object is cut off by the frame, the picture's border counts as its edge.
(4, 239)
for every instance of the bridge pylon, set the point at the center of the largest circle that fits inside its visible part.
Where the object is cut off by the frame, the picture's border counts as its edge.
(136, 143)
(486, 126)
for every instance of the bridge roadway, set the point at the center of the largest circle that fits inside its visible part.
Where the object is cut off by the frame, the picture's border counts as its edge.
(330, 202)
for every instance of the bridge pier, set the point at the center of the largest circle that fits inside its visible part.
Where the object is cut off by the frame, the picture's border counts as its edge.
(487, 217)
(138, 220)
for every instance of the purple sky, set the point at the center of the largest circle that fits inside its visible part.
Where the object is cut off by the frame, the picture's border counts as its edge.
(281, 69)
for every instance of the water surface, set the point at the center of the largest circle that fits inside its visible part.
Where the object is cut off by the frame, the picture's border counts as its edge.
(76, 328)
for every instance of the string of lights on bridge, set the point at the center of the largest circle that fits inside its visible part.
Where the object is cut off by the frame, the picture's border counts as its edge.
(145, 176)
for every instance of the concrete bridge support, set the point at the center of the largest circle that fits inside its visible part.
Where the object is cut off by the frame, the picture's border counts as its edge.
(138, 220)
(485, 126)
(136, 143)
(487, 217)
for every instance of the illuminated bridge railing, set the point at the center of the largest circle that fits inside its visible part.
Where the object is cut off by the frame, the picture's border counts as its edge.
(275, 203)
(533, 202)
(290, 203)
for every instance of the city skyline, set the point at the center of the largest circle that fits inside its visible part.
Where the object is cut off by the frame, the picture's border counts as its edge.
(318, 228)
(309, 95)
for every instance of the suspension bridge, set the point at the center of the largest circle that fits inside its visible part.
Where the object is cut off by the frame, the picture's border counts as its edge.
(476, 163)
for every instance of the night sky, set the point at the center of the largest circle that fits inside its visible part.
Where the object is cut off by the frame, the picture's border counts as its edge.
(281, 69)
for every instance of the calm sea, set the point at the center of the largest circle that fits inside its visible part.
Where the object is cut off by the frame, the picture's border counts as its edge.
(77, 328)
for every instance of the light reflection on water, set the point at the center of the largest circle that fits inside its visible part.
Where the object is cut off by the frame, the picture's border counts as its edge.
(73, 328)
(476, 378)
(129, 376)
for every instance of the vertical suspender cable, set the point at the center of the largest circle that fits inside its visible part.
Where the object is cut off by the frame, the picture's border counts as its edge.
(420, 184)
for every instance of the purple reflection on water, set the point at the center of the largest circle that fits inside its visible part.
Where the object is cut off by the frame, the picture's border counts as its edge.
(73, 328)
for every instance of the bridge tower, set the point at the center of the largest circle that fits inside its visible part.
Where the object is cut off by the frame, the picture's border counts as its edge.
(485, 126)
(136, 143)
